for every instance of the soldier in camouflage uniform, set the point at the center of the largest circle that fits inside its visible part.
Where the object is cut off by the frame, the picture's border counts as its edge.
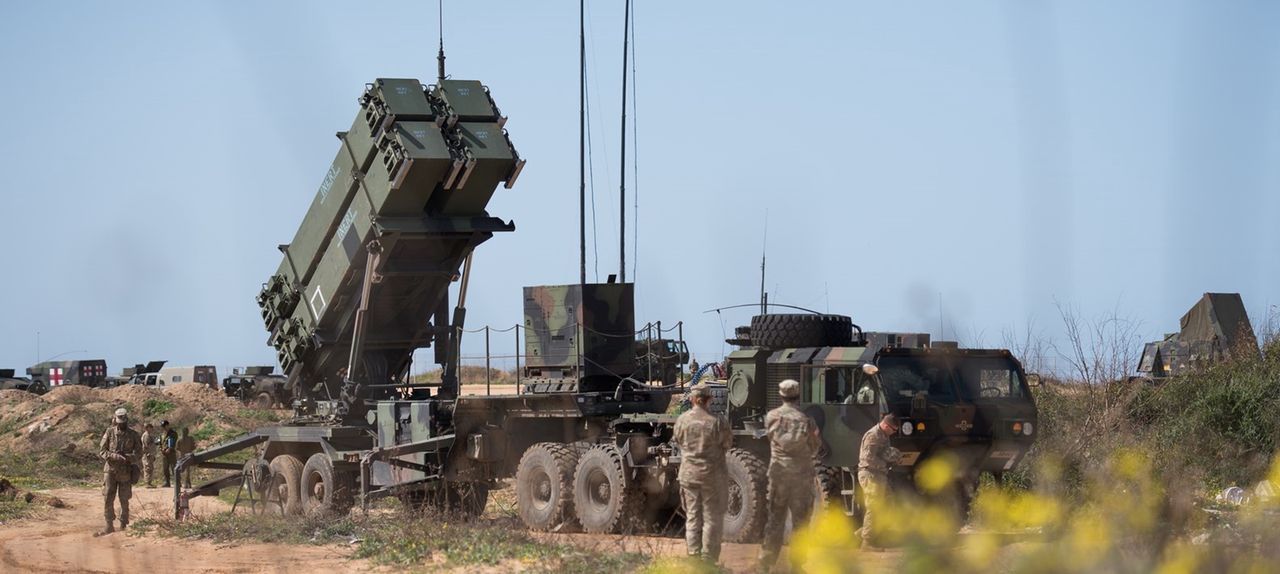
(793, 447)
(874, 460)
(120, 449)
(148, 455)
(704, 439)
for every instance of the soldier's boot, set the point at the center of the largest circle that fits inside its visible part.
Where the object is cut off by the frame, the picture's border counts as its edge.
(105, 531)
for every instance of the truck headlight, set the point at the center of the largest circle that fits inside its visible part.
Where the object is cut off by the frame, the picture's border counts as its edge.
(1027, 429)
(907, 429)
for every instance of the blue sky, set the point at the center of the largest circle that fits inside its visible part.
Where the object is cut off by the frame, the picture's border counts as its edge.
(1003, 155)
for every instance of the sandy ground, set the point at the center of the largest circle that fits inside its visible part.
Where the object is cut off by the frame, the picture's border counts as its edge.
(62, 541)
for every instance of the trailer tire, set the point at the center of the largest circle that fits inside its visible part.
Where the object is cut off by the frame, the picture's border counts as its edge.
(325, 491)
(785, 330)
(746, 512)
(544, 485)
(263, 401)
(602, 499)
(286, 478)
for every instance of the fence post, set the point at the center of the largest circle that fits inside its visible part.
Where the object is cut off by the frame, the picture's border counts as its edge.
(487, 392)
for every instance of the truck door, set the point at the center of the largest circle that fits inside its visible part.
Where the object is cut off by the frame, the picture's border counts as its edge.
(844, 403)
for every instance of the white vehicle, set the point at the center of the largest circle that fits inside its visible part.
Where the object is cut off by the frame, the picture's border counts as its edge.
(205, 374)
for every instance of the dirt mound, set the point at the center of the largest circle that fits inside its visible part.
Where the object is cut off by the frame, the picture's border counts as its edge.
(73, 394)
(14, 396)
(202, 397)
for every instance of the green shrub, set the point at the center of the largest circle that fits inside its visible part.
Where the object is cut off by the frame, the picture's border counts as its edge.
(156, 407)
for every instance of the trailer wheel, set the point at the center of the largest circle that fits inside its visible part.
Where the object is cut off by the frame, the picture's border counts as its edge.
(544, 485)
(601, 497)
(286, 475)
(745, 515)
(325, 491)
(262, 401)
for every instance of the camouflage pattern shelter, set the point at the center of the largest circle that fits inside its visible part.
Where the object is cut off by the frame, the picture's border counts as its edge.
(1215, 328)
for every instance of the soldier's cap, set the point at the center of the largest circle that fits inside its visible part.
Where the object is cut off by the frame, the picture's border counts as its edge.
(120, 412)
(701, 390)
(789, 389)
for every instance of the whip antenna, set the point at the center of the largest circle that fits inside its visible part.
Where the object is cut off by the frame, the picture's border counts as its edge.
(440, 55)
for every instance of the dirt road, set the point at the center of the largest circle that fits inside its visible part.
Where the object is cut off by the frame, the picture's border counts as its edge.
(61, 540)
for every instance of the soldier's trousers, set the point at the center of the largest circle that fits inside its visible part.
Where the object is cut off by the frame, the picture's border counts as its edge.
(788, 494)
(111, 489)
(875, 487)
(170, 460)
(149, 468)
(704, 507)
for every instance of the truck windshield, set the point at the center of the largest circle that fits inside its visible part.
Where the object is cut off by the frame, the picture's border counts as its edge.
(903, 377)
(990, 378)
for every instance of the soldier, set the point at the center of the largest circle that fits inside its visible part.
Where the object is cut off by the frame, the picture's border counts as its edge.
(168, 450)
(120, 449)
(148, 454)
(704, 439)
(185, 446)
(793, 448)
(874, 460)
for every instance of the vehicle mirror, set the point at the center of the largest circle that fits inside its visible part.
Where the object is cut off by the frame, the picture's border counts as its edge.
(870, 370)
(1033, 379)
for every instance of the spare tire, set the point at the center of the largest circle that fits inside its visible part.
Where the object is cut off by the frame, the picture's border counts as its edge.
(782, 331)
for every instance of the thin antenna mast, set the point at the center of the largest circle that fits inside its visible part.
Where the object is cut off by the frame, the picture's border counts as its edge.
(440, 55)
(582, 142)
(622, 179)
(764, 297)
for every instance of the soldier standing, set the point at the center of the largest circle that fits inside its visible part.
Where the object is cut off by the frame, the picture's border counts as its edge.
(186, 445)
(704, 440)
(874, 460)
(168, 450)
(120, 449)
(148, 454)
(793, 447)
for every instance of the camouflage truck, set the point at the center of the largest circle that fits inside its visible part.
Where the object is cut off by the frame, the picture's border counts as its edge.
(259, 387)
(972, 405)
(662, 360)
(50, 374)
(8, 380)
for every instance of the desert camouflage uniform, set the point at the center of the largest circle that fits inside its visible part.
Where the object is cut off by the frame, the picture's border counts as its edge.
(874, 459)
(793, 446)
(116, 474)
(704, 439)
(185, 446)
(148, 457)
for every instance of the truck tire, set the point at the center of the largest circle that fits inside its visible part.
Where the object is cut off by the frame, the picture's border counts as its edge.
(544, 485)
(286, 479)
(746, 513)
(263, 401)
(782, 331)
(323, 490)
(602, 500)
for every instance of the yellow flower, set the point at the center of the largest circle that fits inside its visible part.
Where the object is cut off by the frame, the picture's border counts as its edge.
(935, 474)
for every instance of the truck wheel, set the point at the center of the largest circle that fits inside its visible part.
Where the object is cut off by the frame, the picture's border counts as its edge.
(544, 485)
(603, 501)
(286, 475)
(829, 487)
(262, 401)
(323, 490)
(745, 515)
(781, 331)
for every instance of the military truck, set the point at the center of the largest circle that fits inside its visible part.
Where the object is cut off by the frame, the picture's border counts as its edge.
(9, 381)
(367, 281)
(660, 359)
(50, 374)
(259, 387)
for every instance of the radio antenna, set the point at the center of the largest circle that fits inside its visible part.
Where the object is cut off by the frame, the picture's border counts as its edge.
(440, 55)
